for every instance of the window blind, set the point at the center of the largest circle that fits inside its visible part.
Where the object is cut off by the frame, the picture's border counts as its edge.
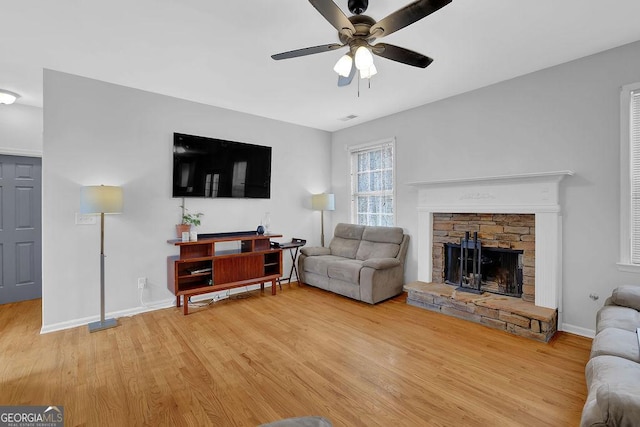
(634, 133)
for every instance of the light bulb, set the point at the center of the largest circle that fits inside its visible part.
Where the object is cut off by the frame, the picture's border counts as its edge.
(363, 59)
(343, 66)
(369, 72)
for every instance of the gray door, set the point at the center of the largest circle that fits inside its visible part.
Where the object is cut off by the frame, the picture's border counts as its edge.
(20, 228)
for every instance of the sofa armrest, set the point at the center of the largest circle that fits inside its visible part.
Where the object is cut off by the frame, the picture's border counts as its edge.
(315, 250)
(381, 263)
(627, 296)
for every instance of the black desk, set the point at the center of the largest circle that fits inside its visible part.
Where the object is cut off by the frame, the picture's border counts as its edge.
(294, 246)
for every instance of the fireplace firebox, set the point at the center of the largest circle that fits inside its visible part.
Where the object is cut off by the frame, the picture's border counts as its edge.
(476, 268)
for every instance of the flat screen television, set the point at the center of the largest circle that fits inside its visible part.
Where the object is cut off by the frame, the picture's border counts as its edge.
(210, 167)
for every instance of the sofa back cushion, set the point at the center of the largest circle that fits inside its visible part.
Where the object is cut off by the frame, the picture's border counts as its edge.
(627, 296)
(346, 239)
(380, 242)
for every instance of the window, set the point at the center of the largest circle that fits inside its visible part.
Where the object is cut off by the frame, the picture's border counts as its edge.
(630, 178)
(373, 183)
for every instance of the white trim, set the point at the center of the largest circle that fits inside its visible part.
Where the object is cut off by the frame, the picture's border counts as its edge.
(528, 176)
(534, 193)
(515, 209)
(366, 145)
(68, 324)
(624, 256)
(153, 306)
(20, 152)
(577, 330)
(628, 268)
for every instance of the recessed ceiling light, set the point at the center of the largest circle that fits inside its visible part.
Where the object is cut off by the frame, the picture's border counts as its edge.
(347, 118)
(7, 97)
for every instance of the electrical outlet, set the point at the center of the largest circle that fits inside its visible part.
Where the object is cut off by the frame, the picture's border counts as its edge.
(142, 282)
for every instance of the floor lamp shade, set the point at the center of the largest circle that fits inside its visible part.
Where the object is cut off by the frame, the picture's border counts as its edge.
(323, 202)
(101, 199)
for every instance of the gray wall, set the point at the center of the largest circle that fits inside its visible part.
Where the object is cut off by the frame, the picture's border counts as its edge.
(100, 133)
(565, 117)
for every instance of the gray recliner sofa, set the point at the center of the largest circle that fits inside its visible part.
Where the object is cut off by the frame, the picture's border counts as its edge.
(362, 262)
(613, 370)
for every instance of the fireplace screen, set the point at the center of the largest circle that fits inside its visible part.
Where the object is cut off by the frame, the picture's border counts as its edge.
(484, 269)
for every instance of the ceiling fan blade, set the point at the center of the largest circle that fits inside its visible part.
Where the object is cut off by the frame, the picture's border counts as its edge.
(307, 51)
(400, 54)
(406, 16)
(346, 81)
(334, 15)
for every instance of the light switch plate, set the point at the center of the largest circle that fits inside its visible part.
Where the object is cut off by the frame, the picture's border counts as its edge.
(86, 219)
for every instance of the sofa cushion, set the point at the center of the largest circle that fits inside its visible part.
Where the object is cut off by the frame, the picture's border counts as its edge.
(349, 231)
(320, 264)
(627, 296)
(619, 404)
(368, 250)
(345, 248)
(383, 234)
(347, 270)
(346, 239)
(616, 342)
(614, 316)
(611, 405)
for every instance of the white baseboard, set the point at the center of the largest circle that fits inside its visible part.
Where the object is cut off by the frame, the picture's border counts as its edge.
(171, 302)
(577, 330)
(74, 323)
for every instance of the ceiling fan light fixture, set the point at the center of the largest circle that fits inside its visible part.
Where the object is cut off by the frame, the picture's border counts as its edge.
(7, 97)
(369, 72)
(343, 66)
(363, 58)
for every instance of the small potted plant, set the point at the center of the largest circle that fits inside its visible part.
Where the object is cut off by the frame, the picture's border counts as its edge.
(188, 220)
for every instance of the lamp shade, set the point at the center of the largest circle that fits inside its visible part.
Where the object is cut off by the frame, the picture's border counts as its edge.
(323, 202)
(343, 66)
(363, 58)
(101, 199)
(369, 72)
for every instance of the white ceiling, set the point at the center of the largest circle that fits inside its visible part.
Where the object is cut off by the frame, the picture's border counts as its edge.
(218, 52)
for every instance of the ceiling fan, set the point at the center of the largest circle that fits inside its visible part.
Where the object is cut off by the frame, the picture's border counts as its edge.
(359, 31)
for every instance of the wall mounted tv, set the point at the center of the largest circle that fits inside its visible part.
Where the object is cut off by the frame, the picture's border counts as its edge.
(209, 167)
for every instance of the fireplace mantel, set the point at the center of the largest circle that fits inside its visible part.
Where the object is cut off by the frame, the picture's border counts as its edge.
(531, 193)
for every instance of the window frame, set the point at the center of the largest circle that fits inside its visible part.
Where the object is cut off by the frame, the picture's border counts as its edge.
(353, 150)
(626, 176)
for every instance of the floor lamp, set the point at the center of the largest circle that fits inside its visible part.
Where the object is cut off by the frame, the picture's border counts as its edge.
(101, 199)
(323, 202)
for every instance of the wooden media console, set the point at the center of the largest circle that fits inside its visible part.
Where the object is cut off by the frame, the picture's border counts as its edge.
(201, 268)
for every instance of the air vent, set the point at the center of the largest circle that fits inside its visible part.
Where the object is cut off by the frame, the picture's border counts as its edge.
(347, 118)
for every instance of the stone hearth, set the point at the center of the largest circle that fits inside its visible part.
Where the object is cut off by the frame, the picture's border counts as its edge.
(496, 311)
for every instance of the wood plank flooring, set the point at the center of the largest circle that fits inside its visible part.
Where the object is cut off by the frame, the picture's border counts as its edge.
(248, 361)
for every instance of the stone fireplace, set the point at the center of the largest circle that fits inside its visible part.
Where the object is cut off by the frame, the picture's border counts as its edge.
(519, 214)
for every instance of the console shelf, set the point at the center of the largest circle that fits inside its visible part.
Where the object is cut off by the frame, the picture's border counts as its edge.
(200, 268)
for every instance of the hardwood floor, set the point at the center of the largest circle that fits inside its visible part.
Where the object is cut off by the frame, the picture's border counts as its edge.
(303, 352)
